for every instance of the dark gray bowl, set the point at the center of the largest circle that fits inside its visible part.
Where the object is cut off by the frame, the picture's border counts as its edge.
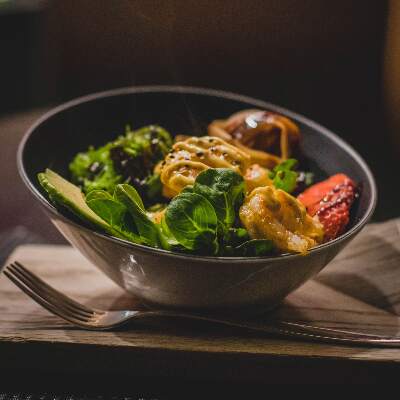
(170, 279)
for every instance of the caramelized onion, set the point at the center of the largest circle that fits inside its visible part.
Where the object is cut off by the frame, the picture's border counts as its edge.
(267, 137)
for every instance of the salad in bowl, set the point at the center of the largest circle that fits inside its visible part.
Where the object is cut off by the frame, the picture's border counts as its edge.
(208, 200)
(237, 191)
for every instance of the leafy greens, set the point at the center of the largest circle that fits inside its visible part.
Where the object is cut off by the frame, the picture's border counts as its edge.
(129, 159)
(129, 197)
(192, 220)
(224, 189)
(201, 219)
(114, 213)
(211, 206)
(284, 176)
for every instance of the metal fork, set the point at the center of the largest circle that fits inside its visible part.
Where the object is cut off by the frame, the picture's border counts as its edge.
(98, 320)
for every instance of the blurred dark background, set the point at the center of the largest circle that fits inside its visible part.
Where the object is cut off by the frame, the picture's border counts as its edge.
(333, 61)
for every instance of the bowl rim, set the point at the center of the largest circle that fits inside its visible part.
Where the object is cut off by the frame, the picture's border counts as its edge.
(204, 92)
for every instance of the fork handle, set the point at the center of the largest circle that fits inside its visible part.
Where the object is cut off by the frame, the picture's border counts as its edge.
(294, 330)
(313, 333)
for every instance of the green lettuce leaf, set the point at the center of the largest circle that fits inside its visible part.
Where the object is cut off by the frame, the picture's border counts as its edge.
(192, 221)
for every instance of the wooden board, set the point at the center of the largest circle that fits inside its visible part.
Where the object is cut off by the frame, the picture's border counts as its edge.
(358, 290)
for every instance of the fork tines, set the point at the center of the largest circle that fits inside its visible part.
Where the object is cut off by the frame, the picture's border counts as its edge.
(48, 297)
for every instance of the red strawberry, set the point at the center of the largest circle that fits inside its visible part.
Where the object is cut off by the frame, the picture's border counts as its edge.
(331, 200)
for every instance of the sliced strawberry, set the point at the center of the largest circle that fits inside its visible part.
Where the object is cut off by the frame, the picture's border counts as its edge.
(331, 201)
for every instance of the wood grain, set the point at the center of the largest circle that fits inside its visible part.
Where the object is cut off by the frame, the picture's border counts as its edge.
(356, 291)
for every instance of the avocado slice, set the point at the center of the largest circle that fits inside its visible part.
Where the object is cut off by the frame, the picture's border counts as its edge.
(70, 196)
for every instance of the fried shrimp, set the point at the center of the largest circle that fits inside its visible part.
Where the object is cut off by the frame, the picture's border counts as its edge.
(269, 213)
(190, 157)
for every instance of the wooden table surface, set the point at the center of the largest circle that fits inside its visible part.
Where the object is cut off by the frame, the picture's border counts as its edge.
(358, 290)
(364, 275)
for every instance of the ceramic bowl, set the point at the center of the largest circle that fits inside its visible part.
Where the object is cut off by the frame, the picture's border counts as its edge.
(164, 278)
